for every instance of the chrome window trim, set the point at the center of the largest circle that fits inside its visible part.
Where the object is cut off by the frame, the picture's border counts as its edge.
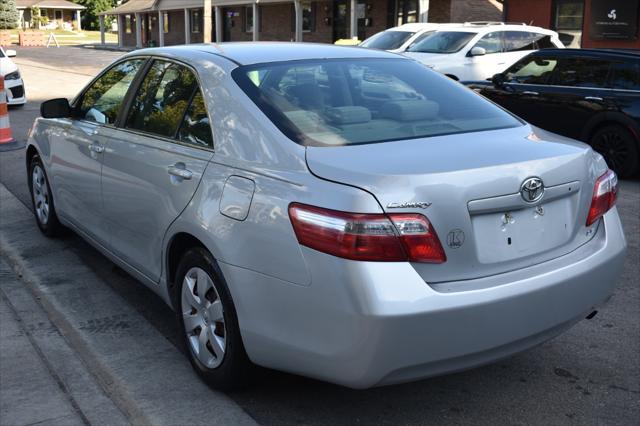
(574, 87)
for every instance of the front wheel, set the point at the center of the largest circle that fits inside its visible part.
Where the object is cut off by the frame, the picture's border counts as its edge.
(208, 322)
(619, 148)
(42, 199)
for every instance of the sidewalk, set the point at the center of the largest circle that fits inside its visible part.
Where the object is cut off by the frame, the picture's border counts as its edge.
(34, 390)
(112, 364)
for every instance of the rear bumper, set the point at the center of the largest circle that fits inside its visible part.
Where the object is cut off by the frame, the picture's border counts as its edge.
(16, 94)
(363, 324)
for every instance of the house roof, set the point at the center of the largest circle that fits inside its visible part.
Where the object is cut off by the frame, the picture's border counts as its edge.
(48, 4)
(132, 6)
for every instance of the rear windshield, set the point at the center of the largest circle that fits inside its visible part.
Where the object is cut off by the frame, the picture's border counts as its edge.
(355, 101)
(443, 42)
(387, 40)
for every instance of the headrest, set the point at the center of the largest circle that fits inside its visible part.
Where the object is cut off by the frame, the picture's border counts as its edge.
(410, 110)
(348, 115)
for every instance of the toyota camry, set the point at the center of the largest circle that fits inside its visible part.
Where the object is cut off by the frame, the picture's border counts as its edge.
(340, 213)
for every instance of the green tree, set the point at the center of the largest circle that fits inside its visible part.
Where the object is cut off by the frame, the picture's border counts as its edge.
(9, 15)
(90, 20)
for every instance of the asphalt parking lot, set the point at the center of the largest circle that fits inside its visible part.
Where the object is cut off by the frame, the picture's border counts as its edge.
(589, 375)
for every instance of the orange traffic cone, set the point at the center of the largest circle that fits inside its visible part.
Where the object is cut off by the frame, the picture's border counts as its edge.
(5, 127)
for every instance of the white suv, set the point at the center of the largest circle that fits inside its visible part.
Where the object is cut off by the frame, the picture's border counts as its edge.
(399, 39)
(476, 51)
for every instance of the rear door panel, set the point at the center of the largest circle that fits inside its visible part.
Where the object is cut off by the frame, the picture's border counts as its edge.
(141, 198)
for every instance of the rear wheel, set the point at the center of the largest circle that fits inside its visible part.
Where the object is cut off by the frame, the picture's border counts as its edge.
(619, 148)
(209, 323)
(42, 199)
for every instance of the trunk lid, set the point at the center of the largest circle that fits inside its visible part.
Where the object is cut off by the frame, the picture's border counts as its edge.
(471, 183)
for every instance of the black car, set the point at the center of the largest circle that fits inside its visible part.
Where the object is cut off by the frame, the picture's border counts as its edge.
(592, 95)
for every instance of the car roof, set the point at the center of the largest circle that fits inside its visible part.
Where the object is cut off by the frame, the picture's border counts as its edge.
(635, 54)
(249, 53)
(477, 29)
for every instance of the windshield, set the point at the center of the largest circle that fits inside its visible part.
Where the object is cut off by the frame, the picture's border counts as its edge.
(353, 101)
(443, 42)
(387, 40)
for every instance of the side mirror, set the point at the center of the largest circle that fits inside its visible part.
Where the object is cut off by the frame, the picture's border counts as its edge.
(498, 79)
(55, 108)
(10, 53)
(478, 51)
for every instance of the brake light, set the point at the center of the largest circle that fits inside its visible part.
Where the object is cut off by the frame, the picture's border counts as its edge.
(372, 237)
(604, 197)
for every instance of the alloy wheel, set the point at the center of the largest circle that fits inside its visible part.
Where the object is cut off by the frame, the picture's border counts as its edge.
(613, 148)
(40, 191)
(203, 318)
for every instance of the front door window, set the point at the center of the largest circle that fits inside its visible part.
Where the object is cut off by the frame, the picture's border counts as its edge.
(101, 103)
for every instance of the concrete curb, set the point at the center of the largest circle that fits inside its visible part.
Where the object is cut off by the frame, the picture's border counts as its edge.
(145, 376)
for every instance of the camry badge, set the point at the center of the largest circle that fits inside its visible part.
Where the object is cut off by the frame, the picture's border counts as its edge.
(532, 189)
(416, 205)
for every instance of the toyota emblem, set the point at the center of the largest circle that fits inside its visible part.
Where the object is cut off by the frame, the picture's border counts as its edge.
(532, 189)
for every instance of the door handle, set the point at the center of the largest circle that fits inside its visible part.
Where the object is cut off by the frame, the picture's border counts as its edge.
(180, 172)
(530, 93)
(593, 98)
(97, 148)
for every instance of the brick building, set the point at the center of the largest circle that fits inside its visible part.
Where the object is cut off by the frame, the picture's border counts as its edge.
(583, 23)
(168, 22)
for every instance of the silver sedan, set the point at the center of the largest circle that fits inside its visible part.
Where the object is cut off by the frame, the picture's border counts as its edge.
(341, 213)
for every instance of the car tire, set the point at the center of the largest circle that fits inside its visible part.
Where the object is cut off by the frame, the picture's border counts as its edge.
(42, 199)
(619, 148)
(219, 356)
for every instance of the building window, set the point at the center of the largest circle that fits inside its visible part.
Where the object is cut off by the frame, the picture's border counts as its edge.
(196, 21)
(165, 22)
(308, 17)
(406, 11)
(569, 14)
(127, 24)
(248, 19)
(567, 20)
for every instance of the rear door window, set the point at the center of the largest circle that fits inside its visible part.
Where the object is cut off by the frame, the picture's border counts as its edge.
(103, 100)
(169, 103)
(581, 72)
(162, 99)
(625, 76)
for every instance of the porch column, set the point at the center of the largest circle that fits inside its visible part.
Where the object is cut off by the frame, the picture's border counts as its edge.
(161, 28)
(256, 22)
(219, 24)
(120, 31)
(102, 38)
(207, 26)
(78, 20)
(187, 27)
(298, 10)
(138, 30)
(353, 27)
(423, 9)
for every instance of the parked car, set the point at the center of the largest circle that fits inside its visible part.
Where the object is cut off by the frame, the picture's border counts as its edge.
(399, 39)
(336, 212)
(12, 79)
(478, 51)
(592, 95)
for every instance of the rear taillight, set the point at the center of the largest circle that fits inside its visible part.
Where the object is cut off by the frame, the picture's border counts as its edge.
(604, 196)
(372, 237)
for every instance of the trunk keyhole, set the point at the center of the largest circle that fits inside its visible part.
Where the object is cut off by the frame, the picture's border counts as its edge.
(509, 241)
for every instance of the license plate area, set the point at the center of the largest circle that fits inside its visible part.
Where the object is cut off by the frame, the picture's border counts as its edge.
(508, 235)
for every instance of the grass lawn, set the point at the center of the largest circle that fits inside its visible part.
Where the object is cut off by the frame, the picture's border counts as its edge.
(72, 37)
